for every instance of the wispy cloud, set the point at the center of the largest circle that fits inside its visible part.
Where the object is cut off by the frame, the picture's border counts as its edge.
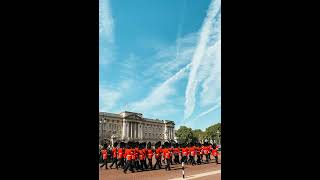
(217, 106)
(204, 39)
(106, 23)
(159, 95)
(106, 33)
(170, 59)
(211, 87)
(109, 97)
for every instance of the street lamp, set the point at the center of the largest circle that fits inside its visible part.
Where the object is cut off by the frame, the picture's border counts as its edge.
(100, 134)
(218, 132)
(104, 124)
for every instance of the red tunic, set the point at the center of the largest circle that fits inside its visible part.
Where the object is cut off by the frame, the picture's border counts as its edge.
(141, 155)
(150, 153)
(214, 152)
(129, 154)
(176, 151)
(166, 153)
(120, 153)
(104, 154)
(158, 152)
(192, 151)
(206, 150)
(184, 151)
(114, 152)
(133, 152)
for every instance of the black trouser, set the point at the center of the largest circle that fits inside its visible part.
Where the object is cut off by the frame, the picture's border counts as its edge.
(128, 165)
(143, 164)
(201, 157)
(207, 158)
(158, 162)
(114, 162)
(136, 164)
(120, 163)
(193, 162)
(176, 159)
(104, 163)
(149, 163)
(216, 157)
(198, 159)
(184, 159)
(168, 164)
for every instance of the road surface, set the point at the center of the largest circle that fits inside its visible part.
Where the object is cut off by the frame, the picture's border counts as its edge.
(211, 171)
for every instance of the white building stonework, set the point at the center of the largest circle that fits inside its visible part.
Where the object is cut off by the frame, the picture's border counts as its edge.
(133, 126)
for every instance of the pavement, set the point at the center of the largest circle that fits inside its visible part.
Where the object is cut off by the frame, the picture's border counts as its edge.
(211, 171)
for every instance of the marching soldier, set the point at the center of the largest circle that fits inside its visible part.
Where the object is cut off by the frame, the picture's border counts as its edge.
(121, 155)
(192, 154)
(128, 154)
(136, 151)
(210, 150)
(206, 151)
(215, 152)
(150, 152)
(201, 152)
(198, 150)
(144, 150)
(167, 155)
(176, 153)
(114, 155)
(171, 152)
(158, 155)
(184, 153)
(142, 157)
(104, 157)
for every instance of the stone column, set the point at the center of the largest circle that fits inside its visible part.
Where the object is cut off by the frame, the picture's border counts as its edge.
(131, 134)
(123, 129)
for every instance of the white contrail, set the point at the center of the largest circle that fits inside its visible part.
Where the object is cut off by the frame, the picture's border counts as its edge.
(106, 22)
(160, 94)
(209, 110)
(198, 56)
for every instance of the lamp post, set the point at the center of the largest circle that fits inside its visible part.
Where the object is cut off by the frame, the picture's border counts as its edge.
(218, 132)
(103, 133)
(100, 134)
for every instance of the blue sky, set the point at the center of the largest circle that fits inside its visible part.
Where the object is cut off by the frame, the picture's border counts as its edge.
(161, 58)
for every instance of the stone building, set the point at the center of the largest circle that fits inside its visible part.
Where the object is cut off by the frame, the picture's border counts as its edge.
(133, 126)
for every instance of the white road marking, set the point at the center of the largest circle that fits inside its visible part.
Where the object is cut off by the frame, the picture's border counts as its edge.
(198, 175)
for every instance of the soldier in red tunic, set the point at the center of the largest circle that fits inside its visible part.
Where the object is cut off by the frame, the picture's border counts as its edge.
(215, 152)
(184, 153)
(167, 155)
(150, 152)
(144, 150)
(136, 152)
(121, 155)
(104, 156)
(158, 155)
(176, 153)
(198, 150)
(142, 156)
(206, 151)
(128, 154)
(192, 154)
(114, 155)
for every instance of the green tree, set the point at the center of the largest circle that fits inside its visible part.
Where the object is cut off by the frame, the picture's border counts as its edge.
(185, 135)
(211, 132)
(199, 135)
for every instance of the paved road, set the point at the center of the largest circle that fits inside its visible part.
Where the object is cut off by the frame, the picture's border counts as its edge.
(198, 172)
